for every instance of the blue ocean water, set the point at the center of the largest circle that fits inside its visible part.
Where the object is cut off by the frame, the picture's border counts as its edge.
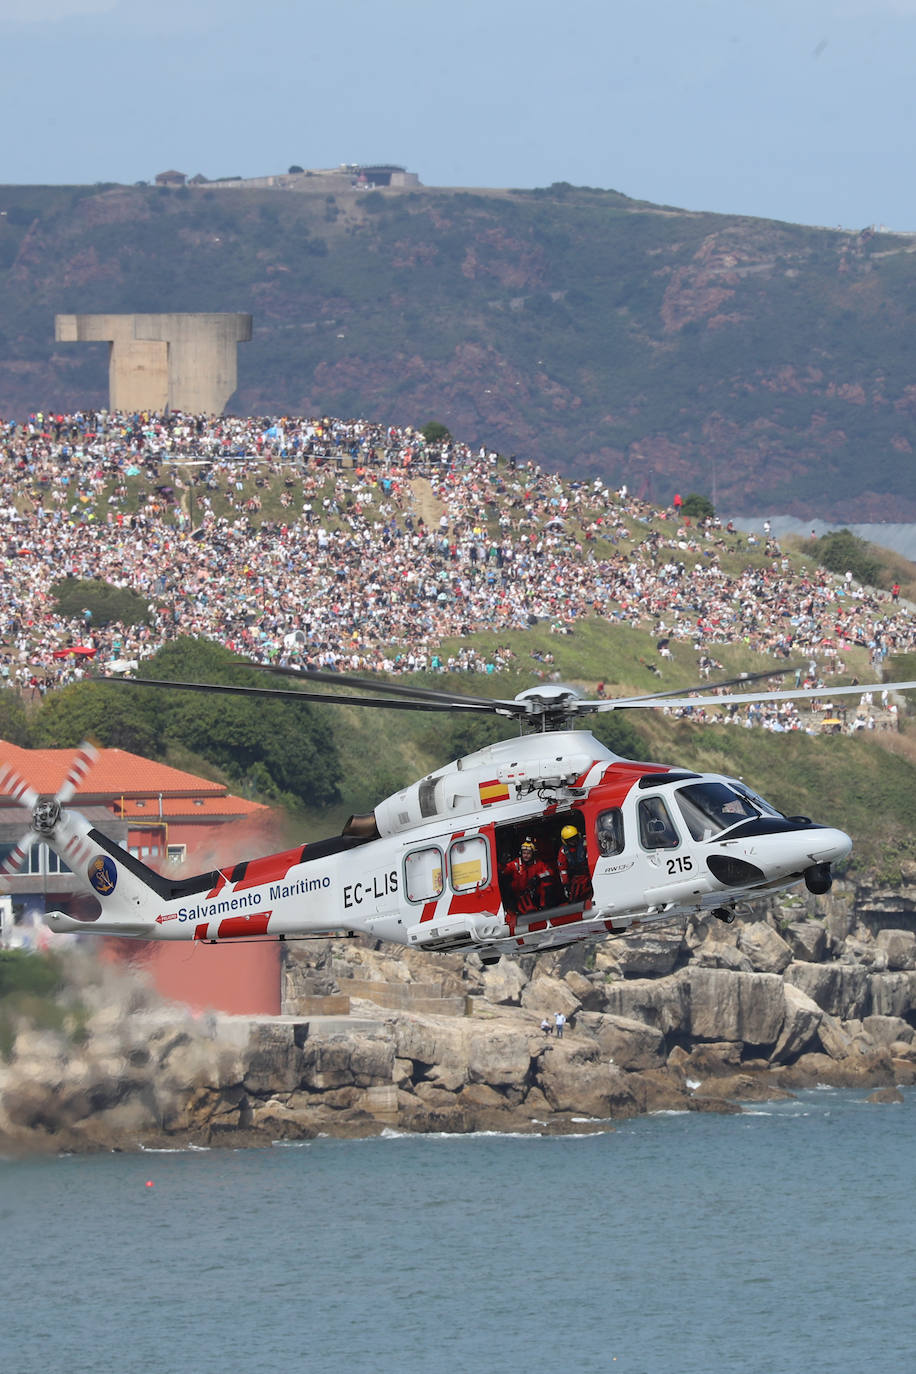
(783, 1240)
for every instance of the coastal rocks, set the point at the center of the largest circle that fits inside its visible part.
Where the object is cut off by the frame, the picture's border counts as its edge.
(721, 1005)
(651, 954)
(807, 941)
(504, 982)
(897, 948)
(578, 1078)
(801, 1020)
(498, 1053)
(889, 1030)
(627, 1043)
(766, 950)
(841, 989)
(893, 994)
(699, 1021)
(546, 995)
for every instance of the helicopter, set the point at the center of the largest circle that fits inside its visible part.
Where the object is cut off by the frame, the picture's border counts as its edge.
(528, 844)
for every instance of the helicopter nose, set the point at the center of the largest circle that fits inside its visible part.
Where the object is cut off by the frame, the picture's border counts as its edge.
(828, 845)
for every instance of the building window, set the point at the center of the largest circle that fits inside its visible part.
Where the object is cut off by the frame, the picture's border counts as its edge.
(39, 860)
(176, 853)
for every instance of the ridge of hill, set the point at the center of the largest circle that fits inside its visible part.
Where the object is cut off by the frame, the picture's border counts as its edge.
(767, 365)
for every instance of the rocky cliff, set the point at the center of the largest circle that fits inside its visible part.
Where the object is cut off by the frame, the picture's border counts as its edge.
(805, 991)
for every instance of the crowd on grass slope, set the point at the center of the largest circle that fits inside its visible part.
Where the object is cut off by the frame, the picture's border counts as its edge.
(346, 571)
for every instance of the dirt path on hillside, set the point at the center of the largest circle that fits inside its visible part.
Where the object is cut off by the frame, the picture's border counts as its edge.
(425, 502)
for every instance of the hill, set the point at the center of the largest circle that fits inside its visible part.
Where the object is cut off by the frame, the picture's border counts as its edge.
(767, 365)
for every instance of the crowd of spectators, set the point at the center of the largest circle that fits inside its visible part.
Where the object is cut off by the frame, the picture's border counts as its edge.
(364, 567)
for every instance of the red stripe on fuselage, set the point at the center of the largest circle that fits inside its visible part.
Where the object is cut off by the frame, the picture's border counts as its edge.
(237, 927)
(271, 869)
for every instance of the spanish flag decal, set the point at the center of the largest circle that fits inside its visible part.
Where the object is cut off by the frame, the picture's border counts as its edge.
(491, 792)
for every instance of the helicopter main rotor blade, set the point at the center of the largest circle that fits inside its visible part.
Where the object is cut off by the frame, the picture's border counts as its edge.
(368, 684)
(742, 698)
(500, 708)
(715, 686)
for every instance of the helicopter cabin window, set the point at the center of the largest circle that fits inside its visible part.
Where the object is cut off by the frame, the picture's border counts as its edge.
(423, 871)
(711, 807)
(656, 830)
(609, 831)
(469, 864)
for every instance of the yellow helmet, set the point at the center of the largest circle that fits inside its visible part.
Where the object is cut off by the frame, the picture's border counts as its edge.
(569, 832)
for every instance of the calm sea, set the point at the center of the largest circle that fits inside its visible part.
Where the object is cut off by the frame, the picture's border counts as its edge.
(782, 1240)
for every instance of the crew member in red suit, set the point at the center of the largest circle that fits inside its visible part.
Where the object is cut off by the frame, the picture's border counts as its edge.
(527, 880)
(572, 863)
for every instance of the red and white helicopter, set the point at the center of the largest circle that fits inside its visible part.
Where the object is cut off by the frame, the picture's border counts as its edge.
(528, 844)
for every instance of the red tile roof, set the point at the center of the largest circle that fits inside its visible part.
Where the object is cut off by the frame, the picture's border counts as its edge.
(116, 774)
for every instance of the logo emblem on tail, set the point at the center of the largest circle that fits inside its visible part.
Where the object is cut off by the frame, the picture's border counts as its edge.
(103, 875)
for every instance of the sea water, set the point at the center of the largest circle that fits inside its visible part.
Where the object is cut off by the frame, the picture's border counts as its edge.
(783, 1239)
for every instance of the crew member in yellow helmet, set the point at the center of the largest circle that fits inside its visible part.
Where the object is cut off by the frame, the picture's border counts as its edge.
(572, 864)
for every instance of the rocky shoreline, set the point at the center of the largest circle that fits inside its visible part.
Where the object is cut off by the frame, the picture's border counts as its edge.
(804, 992)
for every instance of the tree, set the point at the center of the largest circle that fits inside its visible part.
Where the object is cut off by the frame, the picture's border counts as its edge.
(118, 717)
(105, 603)
(295, 168)
(279, 747)
(842, 551)
(13, 724)
(283, 750)
(435, 433)
(698, 507)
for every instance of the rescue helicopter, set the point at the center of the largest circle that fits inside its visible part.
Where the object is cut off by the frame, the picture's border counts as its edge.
(530, 843)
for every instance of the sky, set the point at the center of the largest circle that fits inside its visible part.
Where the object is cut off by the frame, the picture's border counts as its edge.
(799, 110)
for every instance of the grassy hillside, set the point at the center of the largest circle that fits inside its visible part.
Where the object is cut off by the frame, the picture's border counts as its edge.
(765, 364)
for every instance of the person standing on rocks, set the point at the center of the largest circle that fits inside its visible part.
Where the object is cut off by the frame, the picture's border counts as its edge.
(559, 1022)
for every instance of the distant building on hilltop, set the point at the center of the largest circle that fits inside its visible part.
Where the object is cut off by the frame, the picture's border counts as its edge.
(348, 176)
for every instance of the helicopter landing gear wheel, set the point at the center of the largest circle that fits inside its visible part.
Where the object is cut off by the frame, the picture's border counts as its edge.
(724, 914)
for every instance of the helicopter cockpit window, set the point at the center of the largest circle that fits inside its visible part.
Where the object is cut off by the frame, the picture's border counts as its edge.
(711, 807)
(609, 832)
(764, 807)
(469, 864)
(423, 871)
(656, 830)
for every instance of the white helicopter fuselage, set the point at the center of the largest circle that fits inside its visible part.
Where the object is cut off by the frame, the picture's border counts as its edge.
(435, 867)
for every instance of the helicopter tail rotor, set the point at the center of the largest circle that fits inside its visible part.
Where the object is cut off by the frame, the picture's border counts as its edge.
(45, 811)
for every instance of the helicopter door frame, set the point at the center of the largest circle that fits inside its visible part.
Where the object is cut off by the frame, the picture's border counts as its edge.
(545, 832)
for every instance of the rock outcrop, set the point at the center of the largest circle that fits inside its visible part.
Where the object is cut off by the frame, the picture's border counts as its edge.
(376, 1038)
